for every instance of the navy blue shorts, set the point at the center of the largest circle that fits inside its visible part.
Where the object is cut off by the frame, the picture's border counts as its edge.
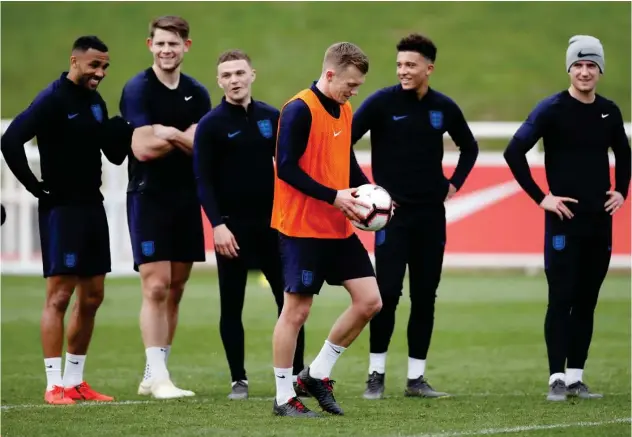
(165, 228)
(309, 262)
(75, 240)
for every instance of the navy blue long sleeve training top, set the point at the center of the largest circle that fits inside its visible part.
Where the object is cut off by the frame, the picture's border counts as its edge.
(233, 154)
(295, 124)
(407, 143)
(576, 138)
(72, 127)
(146, 101)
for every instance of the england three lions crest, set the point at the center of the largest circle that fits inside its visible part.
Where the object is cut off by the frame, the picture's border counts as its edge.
(265, 127)
(436, 119)
(97, 112)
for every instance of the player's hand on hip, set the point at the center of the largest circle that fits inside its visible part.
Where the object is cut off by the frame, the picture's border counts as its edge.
(451, 192)
(556, 204)
(43, 194)
(614, 202)
(225, 243)
(346, 202)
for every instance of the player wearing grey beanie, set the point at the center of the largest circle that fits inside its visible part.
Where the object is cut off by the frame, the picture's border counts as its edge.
(585, 48)
(577, 127)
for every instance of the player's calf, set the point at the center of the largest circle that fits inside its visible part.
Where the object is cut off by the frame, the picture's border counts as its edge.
(59, 291)
(293, 316)
(155, 281)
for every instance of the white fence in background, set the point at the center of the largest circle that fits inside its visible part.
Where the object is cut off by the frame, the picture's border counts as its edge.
(20, 236)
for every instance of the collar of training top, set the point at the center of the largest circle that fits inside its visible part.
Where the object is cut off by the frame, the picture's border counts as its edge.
(152, 77)
(238, 109)
(329, 104)
(69, 84)
(412, 94)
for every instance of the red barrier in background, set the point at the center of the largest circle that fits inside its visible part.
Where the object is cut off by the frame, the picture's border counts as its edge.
(491, 215)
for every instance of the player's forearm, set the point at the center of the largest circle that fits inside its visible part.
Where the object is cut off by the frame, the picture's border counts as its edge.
(465, 164)
(364, 117)
(147, 147)
(622, 157)
(184, 140)
(203, 169)
(516, 159)
(298, 179)
(357, 175)
(207, 198)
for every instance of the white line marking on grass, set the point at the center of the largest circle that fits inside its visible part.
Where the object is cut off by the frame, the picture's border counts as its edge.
(118, 403)
(255, 398)
(517, 429)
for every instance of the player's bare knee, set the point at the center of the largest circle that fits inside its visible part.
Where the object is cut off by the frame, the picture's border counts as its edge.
(156, 282)
(372, 306)
(59, 300)
(176, 290)
(296, 310)
(90, 293)
(368, 305)
(90, 302)
(300, 315)
(156, 290)
(58, 294)
(180, 273)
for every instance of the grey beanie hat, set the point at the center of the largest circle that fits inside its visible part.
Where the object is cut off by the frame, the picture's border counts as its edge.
(585, 48)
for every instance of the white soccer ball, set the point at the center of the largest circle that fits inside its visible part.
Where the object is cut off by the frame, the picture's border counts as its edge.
(380, 211)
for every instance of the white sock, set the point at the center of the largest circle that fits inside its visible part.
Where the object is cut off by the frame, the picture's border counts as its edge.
(416, 368)
(324, 362)
(156, 362)
(574, 375)
(294, 378)
(53, 372)
(147, 375)
(377, 363)
(167, 352)
(557, 376)
(284, 387)
(73, 371)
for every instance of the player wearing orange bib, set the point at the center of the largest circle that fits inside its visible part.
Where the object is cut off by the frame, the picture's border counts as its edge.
(312, 207)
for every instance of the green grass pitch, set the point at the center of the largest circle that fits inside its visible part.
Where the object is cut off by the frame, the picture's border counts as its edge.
(487, 349)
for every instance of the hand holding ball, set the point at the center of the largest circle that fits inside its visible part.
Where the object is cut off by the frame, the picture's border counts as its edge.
(380, 209)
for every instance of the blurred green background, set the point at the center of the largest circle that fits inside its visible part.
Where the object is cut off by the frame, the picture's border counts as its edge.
(497, 60)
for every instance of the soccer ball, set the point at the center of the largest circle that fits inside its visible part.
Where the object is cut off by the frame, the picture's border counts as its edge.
(380, 211)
